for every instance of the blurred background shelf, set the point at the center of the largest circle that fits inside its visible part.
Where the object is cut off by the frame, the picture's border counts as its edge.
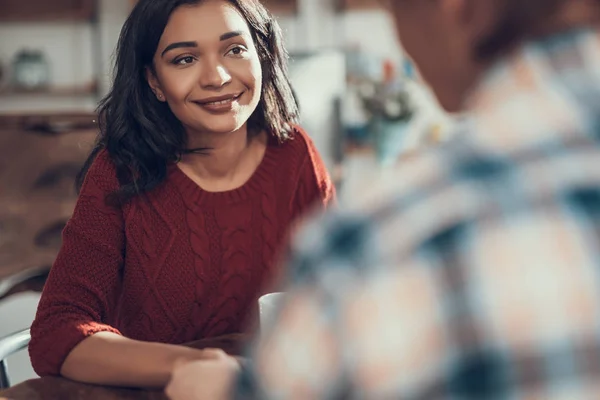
(50, 122)
(47, 11)
(52, 60)
(60, 91)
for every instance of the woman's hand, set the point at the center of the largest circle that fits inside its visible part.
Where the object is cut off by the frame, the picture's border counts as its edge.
(209, 379)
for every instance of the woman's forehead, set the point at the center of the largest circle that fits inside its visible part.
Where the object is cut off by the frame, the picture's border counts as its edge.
(205, 22)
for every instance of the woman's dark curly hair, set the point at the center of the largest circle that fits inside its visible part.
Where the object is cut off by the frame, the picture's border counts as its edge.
(141, 134)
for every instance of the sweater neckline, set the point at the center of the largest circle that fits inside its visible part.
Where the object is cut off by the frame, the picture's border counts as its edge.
(198, 195)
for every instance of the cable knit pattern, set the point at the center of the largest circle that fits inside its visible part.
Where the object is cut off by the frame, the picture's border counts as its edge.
(175, 264)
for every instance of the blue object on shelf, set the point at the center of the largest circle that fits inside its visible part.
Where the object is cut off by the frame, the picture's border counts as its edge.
(409, 68)
(389, 140)
(358, 134)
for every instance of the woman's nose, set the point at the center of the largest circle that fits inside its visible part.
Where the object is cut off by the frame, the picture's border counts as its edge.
(214, 75)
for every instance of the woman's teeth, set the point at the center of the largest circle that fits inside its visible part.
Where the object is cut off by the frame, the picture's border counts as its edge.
(221, 102)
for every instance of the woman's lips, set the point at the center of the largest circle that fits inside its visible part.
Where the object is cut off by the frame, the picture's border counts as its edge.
(220, 106)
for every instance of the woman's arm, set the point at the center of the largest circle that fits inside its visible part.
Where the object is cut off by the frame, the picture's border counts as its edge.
(207, 379)
(111, 359)
(72, 333)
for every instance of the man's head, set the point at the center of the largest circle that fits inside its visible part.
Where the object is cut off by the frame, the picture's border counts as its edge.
(453, 41)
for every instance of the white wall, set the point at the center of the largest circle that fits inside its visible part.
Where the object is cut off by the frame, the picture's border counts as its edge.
(318, 26)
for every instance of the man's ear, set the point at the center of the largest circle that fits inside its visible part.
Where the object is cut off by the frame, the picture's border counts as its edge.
(476, 17)
(154, 84)
(459, 11)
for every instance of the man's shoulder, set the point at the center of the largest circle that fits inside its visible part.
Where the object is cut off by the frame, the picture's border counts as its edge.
(433, 195)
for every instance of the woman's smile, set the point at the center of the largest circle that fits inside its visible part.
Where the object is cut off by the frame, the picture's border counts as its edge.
(220, 104)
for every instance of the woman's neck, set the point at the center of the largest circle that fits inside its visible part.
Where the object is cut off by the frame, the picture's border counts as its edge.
(226, 155)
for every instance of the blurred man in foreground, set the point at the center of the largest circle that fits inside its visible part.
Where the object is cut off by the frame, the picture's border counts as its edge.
(475, 271)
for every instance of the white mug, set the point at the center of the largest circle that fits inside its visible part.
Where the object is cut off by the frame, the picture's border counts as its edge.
(267, 304)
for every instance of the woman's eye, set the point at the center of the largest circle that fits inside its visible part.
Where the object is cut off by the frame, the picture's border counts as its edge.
(237, 51)
(184, 60)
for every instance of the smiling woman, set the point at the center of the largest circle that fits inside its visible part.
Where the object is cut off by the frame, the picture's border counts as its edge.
(199, 171)
(212, 83)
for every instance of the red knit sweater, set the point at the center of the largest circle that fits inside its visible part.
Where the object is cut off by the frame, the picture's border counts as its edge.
(176, 264)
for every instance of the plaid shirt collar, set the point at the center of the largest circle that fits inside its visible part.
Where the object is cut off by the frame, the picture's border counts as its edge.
(540, 94)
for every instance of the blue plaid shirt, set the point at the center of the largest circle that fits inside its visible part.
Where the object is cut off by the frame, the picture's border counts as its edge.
(472, 271)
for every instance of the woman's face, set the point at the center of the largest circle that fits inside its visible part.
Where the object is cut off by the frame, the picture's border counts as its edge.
(207, 69)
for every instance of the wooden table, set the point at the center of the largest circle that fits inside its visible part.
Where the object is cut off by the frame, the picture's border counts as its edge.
(60, 388)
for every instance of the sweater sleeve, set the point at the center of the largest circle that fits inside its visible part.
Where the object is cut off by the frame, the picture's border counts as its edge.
(314, 189)
(80, 292)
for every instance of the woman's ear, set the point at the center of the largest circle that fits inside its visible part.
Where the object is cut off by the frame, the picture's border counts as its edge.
(154, 84)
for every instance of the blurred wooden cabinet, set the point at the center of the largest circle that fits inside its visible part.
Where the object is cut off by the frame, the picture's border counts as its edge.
(39, 159)
(45, 10)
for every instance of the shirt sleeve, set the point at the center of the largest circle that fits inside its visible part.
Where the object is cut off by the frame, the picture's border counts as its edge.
(466, 313)
(343, 332)
(80, 292)
(300, 354)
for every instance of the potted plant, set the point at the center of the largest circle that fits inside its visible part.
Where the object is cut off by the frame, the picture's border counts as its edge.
(389, 104)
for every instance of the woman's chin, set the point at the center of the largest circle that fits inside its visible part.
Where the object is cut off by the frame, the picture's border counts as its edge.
(221, 125)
